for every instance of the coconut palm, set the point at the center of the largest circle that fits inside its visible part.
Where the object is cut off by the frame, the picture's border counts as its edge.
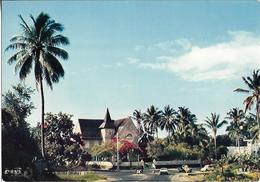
(137, 116)
(151, 119)
(253, 84)
(167, 119)
(38, 47)
(184, 118)
(214, 124)
(236, 126)
(185, 126)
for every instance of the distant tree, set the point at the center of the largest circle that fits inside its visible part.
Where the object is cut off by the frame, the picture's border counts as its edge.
(18, 145)
(214, 124)
(184, 119)
(167, 120)
(63, 147)
(138, 117)
(151, 119)
(185, 126)
(38, 46)
(225, 140)
(236, 127)
(251, 126)
(156, 148)
(253, 84)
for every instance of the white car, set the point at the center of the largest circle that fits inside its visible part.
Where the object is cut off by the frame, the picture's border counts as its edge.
(163, 171)
(207, 168)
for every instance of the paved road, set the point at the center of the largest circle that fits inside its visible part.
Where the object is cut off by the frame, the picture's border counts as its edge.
(146, 176)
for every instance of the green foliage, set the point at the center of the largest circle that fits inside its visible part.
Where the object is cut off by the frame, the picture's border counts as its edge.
(162, 150)
(225, 140)
(18, 144)
(63, 147)
(105, 150)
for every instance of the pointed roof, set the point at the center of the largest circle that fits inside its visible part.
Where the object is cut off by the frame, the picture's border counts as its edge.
(108, 122)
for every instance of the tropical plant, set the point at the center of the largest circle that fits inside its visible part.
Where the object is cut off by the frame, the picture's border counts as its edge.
(167, 119)
(253, 84)
(137, 116)
(237, 125)
(63, 147)
(152, 119)
(38, 46)
(214, 124)
(185, 126)
(18, 145)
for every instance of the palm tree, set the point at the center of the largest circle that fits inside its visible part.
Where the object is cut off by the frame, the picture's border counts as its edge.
(151, 119)
(167, 119)
(137, 115)
(184, 119)
(214, 124)
(253, 83)
(38, 46)
(236, 126)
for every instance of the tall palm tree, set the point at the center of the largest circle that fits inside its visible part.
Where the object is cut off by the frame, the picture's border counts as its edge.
(184, 119)
(214, 124)
(151, 119)
(236, 126)
(137, 115)
(167, 119)
(38, 47)
(253, 84)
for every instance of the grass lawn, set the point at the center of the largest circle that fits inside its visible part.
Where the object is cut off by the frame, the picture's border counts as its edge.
(76, 177)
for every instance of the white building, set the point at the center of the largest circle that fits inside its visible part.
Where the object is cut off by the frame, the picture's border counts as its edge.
(250, 148)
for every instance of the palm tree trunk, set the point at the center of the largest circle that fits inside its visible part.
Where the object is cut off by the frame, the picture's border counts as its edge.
(257, 115)
(42, 121)
(238, 142)
(215, 143)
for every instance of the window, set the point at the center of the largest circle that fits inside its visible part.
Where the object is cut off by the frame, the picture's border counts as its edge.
(129, 136)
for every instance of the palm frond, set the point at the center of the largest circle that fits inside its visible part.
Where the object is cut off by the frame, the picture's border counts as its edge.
(47, 78)
(26, 68)
(241, 90)
(16, 45)
(59, 40)
(58, 52)
(248, 102)
(54, 67)
(37, 71)
(16, 56)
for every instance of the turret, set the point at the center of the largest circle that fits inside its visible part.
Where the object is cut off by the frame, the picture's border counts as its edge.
(107, 128)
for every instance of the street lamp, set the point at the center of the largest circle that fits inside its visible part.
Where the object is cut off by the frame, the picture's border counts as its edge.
(117, 152)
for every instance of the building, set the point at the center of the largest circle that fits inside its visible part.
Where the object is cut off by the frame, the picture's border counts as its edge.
(98, 131)
(250, 148)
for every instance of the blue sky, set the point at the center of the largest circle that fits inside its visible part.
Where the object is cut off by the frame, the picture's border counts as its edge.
(128, 55)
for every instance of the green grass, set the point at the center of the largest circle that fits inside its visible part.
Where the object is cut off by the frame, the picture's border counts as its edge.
(75, 177)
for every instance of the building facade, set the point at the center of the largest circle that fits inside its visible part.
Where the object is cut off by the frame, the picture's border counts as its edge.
(98, 131)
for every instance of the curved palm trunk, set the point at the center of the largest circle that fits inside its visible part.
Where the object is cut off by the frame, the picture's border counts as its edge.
(42, 121)
(215, 144)
(257, 116)
(238, 142)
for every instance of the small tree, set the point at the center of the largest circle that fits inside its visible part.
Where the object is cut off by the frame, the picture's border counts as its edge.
(63, 147)
(18, 145)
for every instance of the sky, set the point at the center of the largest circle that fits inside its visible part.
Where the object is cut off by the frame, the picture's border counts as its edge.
(127, 55)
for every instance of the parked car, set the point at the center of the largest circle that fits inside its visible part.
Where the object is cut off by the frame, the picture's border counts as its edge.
(209, 167)
(185, 168)
(163, 171)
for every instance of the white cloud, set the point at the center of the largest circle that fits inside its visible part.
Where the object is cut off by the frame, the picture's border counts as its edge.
(215, 62)
(132, 60)
(119, 64)
(168, 46)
